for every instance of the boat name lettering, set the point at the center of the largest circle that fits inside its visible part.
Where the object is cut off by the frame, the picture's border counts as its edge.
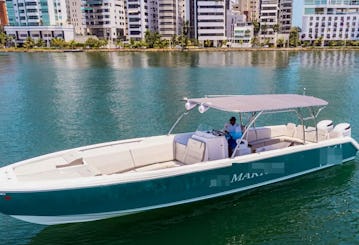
(245, 176)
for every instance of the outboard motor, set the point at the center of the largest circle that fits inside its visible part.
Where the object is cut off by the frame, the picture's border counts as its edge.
(325, 125)
(343, 129)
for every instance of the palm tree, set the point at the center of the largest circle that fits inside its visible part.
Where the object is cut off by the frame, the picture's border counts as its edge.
(264, 28)
(184, 39)
(72, 44)
(256, 27)
(294, 36)
(58, 42)
(276, 28)
(40, 43)
(29, 43)
(3, 39)
(280, 42)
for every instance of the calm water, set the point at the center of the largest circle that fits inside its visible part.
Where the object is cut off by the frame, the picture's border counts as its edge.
(50, 102)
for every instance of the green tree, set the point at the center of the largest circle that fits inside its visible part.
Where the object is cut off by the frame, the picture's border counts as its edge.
(120, 44)
(264, 28)
(29, 43)
(3, 39)
(208, 43)
(276, 28)
(255, 41)
(318, 42)
(40, 43)
(174, 40)
(95, 43)
(280, 42)
(333, 43)
(185, 31)
(266, 42)
(72, 44)
(152, 39)
(256, 27)
(102, 43)
(58, 43)
(294, 36)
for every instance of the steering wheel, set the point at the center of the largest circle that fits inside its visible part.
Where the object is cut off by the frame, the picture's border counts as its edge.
(218, 132)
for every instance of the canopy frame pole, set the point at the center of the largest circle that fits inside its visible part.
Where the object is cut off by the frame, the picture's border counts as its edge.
(177, 121)
(312, 111)
(301, 118)
(250, 123)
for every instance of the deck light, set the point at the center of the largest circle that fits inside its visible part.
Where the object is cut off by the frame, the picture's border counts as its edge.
(189, 105)
(202, 108)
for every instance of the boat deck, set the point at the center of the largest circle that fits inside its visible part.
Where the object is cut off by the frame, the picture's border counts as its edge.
(154, 153)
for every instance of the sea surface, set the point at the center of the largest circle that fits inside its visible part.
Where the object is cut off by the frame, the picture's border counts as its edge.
(56, 101)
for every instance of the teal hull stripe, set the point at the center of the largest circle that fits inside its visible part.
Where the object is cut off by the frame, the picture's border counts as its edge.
(129, 197)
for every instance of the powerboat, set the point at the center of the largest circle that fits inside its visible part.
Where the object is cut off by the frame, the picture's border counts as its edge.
(134, 175)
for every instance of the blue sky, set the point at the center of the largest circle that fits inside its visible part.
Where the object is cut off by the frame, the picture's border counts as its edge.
(297, 12)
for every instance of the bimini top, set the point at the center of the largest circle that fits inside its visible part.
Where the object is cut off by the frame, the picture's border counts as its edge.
(255, 103)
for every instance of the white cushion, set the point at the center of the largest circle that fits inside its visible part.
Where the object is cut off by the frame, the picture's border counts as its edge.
(154, 153)
(111, 163)
(194, 151)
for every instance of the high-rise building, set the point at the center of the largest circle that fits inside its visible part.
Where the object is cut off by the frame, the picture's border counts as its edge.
(3, 13)
(210, 21)
(171, 17)
(37, 12)
(76, 16)
(285, 15)
(250, 8)
(275, 18)
(106, 19)
(137, 18)
(331, 20)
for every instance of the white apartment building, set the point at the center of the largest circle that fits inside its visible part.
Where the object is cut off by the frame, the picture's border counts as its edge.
(275, 14)
(330, 19)
(37, 13)
(153, 15)
(76, 16)
(250, 8)
(137, 18)
(210, 21)
(106, 19)
(234, 18)
(46, 33)
(171, 17)
(285, 16)
(268, 18)
(242, 35)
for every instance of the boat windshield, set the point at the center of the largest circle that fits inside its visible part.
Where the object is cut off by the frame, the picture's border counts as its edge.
(203, 127)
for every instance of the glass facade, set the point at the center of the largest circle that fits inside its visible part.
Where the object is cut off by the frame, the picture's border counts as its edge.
(11, 13)
(45, 13)
(331, 2)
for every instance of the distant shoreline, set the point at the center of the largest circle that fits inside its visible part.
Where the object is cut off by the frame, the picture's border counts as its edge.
(43, 50)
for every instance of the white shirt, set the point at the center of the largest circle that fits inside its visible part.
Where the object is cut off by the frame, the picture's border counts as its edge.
(232, 128)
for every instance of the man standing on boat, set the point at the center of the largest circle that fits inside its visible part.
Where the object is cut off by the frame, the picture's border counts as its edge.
(234, 132)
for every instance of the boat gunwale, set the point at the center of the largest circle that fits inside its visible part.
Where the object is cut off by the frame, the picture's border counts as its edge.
(129, 177)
